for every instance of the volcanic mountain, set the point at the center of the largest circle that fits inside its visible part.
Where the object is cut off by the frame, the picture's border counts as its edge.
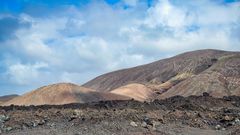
(62, 93)
(213, 71)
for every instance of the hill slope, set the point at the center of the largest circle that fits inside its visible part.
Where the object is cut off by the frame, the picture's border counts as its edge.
(213, 71)
(62, 93)
(136, 91)
(221, 79)
(7, 98)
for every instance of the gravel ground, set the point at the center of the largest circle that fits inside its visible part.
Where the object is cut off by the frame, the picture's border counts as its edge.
(195, 115)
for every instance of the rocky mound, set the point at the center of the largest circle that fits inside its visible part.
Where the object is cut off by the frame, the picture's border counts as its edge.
(62, 93)
(136, 91)
(192, 73)
(7, 98)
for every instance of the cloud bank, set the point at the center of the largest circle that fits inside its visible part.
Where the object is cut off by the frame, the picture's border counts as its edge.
(76, 43)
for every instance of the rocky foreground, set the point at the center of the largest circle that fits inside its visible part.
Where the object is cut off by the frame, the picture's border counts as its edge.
(177, 115)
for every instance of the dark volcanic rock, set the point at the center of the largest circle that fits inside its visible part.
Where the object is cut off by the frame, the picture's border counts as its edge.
(193, 115)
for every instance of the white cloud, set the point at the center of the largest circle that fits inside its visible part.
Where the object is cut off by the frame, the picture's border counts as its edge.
(165, 14)
(25, 74)
(173, 28)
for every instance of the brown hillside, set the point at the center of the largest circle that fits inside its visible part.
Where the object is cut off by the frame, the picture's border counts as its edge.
(136, 91)
(221, 79)
(191, 73)
(7, 98)
(62, 93)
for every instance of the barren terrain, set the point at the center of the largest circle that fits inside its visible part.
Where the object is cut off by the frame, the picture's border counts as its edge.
(194, 93)
(194, 115)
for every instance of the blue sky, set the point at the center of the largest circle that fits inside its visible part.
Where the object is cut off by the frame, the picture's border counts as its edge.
(51, 41)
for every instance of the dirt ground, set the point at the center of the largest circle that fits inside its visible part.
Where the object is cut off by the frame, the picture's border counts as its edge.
(194, 115)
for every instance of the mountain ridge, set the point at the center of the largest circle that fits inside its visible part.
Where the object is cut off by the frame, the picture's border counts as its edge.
(164, 74)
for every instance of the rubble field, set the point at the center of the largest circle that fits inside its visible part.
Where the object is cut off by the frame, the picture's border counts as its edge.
(173, 116)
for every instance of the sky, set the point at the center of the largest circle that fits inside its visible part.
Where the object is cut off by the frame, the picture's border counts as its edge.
(50, 41)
